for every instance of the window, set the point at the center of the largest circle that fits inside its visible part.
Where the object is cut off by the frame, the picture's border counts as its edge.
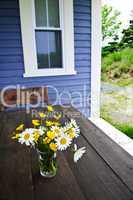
(47, 36)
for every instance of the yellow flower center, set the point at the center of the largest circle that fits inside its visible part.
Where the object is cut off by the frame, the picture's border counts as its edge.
(53, 146)
(71, 134)
(57, 131)
(26, 136)
(63, 141)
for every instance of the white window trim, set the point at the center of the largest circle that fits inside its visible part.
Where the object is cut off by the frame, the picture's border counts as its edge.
(121, 139)
(27, 16)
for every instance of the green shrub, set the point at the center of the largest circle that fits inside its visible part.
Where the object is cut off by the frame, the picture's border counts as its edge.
(127, 56)
(118, 65)
(112, 47)
(116, 56)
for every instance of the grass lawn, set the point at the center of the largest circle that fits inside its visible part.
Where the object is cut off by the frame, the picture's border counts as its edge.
(126, 128)
(117, 96)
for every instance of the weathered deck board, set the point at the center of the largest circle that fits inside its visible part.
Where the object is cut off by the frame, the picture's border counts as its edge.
(96, 179)
(105, 172)
(116, 157)
(15, 168)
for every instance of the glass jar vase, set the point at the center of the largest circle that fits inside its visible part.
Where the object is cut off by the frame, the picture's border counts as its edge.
(47, 163)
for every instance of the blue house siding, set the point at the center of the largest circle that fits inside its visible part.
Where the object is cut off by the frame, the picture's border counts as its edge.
(11, 54)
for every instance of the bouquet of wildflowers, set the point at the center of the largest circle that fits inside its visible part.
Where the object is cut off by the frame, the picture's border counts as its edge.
(50, 133)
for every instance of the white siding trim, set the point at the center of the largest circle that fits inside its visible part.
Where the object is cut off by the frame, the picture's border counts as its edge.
(95, 57)
(29, 45)
(120, 138)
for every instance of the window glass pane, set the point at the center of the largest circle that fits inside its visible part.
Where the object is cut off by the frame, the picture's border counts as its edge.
(42, 49)
(48, 45)
(55, 49)
(53, 13)
(40, 12)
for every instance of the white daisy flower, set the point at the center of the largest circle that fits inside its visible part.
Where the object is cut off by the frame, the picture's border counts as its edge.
(63, 142)
(74, 125)
(78, 153)
(77, 130)
(42, 128)
(73, 122)
(72, 131)
(65, 128)
(40, 131)
(75, 147)
(27, 137)
(57, 130)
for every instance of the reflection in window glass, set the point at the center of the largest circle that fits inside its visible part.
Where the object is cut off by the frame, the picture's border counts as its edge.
(48, 44)
(40, 13)
(53, 13)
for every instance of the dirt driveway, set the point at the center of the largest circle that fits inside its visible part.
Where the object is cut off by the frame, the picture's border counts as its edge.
(117, 103)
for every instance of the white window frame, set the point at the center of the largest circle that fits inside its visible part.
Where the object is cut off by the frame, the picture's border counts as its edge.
(96, 37)
(27, 17)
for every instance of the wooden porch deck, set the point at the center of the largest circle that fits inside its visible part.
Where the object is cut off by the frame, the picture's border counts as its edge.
(104, 173)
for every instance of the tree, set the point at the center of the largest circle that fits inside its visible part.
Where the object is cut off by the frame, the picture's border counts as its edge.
(110, 22)
(127, 38)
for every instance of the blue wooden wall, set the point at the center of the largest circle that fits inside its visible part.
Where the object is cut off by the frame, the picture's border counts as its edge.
(11, 54)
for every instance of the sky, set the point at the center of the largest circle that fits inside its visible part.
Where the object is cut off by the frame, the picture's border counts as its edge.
(124, 6)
